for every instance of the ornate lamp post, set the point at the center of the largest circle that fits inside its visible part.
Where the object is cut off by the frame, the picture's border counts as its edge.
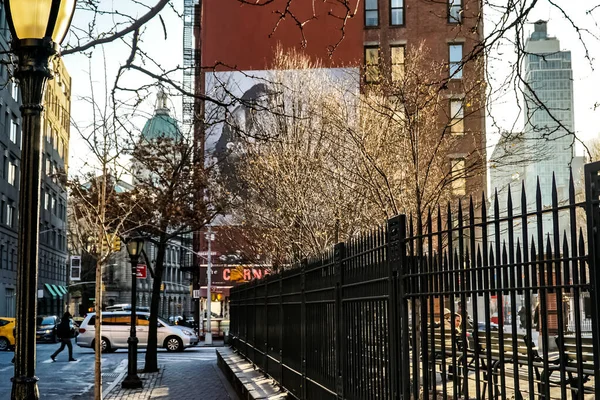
(37, 28)
(132, 381)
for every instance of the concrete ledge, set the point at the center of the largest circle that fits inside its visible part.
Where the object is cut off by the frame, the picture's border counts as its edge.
(249, 383)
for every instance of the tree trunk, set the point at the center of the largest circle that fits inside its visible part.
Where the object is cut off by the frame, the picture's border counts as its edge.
(151, 351)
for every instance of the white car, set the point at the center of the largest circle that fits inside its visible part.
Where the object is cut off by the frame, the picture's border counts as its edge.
(115, 332)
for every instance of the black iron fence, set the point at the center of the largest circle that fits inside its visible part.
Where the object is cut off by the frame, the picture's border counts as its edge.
(475, 302)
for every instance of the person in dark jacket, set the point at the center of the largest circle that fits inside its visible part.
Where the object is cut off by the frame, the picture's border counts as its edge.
(65, 332)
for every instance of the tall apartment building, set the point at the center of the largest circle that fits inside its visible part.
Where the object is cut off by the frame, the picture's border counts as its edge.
(53, 254)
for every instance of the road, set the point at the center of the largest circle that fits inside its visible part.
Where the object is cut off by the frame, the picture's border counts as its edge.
(75, 380)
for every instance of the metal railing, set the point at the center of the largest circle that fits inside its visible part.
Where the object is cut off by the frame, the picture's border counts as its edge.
(463, 303)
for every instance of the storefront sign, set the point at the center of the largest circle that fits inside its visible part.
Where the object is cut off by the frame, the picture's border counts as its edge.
(221, 274)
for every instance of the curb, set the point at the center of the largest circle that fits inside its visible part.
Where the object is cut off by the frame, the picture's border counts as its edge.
(117, 380)
(248, 382)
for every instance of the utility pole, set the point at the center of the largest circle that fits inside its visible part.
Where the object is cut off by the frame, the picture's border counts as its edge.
(208, 335)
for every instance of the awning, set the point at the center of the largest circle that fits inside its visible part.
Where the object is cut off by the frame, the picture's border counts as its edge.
(58, 290)
(63, 289)
(50, 289)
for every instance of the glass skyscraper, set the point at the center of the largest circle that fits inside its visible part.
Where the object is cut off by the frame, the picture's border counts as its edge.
(549, 119)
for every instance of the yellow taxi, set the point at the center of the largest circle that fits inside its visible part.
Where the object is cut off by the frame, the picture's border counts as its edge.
(7, 338)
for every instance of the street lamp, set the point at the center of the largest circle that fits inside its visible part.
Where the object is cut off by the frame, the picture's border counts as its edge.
(37, 28)
(208, 334)
(132, 381)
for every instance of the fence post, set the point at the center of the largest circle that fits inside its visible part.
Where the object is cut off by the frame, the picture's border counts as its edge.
(303, 325)
(396, 232)
(266, 327)
(281, 322)
(399, 309)
(339, 255)
(592, 205)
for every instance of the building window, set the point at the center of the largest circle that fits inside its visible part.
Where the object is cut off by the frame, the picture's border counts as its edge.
(455, 66)
(14, 90)
(10, 210)
(371, 13)
(397, 56)
(54, 138)
(13, 130)
(12, 173)
(60, 148)
(372, 64)
(48, 165)
(455, 11)
(47, 202)
(396, 12)
(9, 297)
(458, 177)
(457, 115)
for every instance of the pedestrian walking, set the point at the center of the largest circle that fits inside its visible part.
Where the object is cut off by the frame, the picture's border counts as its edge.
(522, 317)
(65, 331)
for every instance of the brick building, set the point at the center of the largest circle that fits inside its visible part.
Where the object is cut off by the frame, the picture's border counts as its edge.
(239, 37)
(241, 40)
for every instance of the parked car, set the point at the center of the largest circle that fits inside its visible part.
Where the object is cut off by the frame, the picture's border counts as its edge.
(115, 332)
(46, 328)
(126, 307)
(481, 326)
(7, 337)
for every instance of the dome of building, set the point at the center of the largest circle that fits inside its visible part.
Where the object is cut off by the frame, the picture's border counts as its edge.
(161, 125)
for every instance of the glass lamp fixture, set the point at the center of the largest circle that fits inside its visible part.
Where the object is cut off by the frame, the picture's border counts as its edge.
(39, 19)
(135, 246)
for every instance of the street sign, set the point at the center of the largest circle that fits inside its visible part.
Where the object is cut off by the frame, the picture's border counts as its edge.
(141, 271)
(196, 294)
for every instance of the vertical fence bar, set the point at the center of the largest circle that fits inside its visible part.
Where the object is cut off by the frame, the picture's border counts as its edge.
(266, 327)
(543, 309)
(303, 329)
(339, 255)
(592, 195)
(398, 316)
(513, 269)
(281, 322)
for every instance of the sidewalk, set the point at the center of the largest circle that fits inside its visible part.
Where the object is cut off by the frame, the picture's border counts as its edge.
(180, 377)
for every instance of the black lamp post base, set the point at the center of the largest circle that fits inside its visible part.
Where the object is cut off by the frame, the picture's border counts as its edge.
(25, 388)
(132, 382)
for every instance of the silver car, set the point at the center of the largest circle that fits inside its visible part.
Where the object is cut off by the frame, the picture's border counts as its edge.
(115, 332)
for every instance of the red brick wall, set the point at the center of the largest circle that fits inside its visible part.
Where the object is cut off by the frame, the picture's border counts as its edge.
(238, 35)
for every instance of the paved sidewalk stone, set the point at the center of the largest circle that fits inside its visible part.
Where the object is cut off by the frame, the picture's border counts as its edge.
(197, 377)
(150, 382)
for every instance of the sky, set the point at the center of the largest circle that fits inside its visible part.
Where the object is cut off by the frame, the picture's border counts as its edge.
(585, 77)
(98, 70)
(167, 51)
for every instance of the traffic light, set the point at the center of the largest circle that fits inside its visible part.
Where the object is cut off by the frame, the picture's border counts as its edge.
(115, 243)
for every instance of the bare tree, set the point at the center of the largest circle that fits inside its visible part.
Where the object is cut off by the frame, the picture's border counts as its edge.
(170, 198)
(98, 214)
